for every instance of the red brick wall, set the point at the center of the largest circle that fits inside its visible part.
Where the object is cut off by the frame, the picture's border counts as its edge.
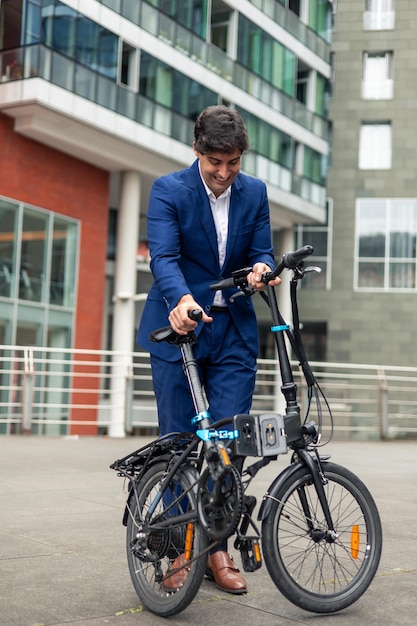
(36, 174)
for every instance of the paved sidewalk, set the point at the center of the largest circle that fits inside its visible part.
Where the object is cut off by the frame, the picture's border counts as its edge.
(62, 544)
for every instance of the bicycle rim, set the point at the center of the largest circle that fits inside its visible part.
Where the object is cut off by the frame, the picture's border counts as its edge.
(151, 552)
(314, 570)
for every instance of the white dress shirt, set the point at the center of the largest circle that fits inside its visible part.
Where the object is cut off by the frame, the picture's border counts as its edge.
(220, 210)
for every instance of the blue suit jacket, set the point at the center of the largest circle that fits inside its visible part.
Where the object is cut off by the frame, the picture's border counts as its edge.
(184, 255)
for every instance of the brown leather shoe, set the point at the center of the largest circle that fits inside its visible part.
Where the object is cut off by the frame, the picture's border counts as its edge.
(176, 574)
(222, 570)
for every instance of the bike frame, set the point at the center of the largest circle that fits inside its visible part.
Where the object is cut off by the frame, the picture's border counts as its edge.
(214, 451)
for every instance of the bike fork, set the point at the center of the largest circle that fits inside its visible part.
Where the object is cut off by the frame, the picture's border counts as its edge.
(319, 481)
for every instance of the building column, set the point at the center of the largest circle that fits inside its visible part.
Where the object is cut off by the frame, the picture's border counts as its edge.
(124, 292)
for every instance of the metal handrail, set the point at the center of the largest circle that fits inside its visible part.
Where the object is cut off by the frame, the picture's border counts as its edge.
(54, 391)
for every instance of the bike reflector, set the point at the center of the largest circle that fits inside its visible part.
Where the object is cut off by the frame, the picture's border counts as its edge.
(354, 541)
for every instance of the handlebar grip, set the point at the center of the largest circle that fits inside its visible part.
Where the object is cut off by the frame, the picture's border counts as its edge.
(195, 315)
(223, 284)
(291, 259)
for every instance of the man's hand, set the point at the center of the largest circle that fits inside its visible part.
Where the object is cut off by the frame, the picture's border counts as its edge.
(254, 278)
(178, 318)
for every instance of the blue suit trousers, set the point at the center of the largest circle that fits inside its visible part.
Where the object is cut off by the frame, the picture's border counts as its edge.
(227, 370)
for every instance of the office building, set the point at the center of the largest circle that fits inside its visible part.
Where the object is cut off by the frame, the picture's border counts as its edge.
(366, 314)
(97, 98)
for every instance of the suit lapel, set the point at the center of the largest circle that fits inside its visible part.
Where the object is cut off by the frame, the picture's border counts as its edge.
(237, 200)
(201, 206)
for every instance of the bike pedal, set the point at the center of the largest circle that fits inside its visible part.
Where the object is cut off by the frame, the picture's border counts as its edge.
(250, 553)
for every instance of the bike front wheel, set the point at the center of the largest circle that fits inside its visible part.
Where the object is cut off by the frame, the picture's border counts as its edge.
(153, 548)
(316, 569)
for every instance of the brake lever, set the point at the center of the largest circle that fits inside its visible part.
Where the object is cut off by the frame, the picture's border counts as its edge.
(240, 279)
(243, 291)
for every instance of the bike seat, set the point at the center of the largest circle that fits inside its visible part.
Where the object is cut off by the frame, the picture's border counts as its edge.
(170, 336)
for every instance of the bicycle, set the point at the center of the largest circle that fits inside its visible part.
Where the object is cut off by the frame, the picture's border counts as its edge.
(318, 520)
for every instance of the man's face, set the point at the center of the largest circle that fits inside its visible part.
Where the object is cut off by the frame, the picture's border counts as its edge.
(219, 169)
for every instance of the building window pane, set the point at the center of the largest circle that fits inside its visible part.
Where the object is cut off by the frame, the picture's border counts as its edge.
(371, 275)
(108, 51)
(8, 225)
(320, 237)
(375, 146)
(262, 56)
(386, 244)
(172, 89)
(87, 42)
(33, 256)
(63, 33)
(267, 140)
(402, 275)
(63, 257)
(379, 15)
(377, 83)
(371, 227)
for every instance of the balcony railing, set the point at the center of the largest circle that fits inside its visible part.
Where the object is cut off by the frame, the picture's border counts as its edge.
(40, 61)
(47, 391)
(14, 66)
(147, 16)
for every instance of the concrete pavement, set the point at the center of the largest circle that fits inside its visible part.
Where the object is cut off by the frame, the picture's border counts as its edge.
(62, 544)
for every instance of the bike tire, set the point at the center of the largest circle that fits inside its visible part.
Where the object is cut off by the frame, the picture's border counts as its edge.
(313, 573)
(150, 555)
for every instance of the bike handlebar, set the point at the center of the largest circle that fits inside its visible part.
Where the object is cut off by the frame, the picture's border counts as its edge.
(290, 260)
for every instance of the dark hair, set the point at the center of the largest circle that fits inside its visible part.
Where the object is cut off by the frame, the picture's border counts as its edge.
(220, 129)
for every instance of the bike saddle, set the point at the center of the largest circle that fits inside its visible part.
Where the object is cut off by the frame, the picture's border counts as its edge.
(170, 336)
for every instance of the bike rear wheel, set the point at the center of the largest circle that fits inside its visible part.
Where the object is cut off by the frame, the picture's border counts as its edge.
(315, 570)
(151, 551)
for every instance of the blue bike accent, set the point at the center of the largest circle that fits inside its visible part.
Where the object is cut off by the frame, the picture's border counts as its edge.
(207, 435)
(277, 329)
(200, 416)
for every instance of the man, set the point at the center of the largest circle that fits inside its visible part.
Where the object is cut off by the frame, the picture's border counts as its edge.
(203, 223)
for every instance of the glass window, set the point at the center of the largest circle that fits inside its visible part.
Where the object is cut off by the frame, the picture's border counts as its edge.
(130, 9)
(267, 140)
(314, 166)
(62, 274)
(38, 255)
(107, 53)
(377, 81)
(320, 237)
(33, 256)
(379, 15)
(112, 4)
(320, 17)
(64, 30)
(220, 24)
(8, 226)
(322, 95)
(74, 35)
(375, 146)
(386, 234)
(190, 13)
(161, 83)
(87, 42)
(265, 57)
(371, 224)
(33, 21)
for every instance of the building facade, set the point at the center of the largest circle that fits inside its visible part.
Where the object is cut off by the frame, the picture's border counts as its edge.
(367, 311)
(97, 99)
